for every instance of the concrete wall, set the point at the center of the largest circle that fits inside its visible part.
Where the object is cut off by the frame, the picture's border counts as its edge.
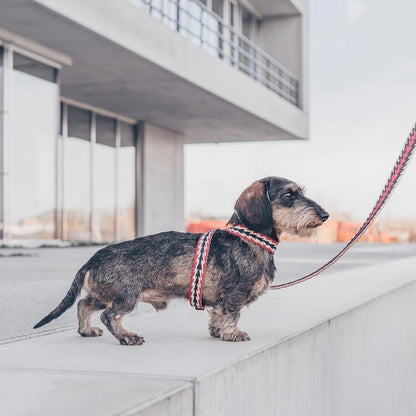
(360, 363)
(160, 196)
(276, 33)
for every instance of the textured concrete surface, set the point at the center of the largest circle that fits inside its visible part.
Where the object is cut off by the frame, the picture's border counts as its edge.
(342, 344)
(51, 392)
(33, 281)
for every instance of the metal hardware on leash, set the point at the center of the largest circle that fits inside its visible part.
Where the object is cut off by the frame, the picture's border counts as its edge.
(391, 183)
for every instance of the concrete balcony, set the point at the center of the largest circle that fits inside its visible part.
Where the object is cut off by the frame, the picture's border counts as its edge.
(127, 62)
(204, 28)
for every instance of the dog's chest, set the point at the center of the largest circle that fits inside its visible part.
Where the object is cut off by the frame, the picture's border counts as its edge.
(263, 278)
(260, 287)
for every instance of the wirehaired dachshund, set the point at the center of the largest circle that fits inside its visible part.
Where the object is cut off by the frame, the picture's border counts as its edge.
(157, 268)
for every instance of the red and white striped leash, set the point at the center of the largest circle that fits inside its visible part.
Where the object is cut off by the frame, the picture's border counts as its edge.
(202, 253)
(395, 175)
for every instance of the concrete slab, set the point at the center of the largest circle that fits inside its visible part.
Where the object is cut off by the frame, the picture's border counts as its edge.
(177, 340)
(47, 392)
(33, 281)
(179, 349)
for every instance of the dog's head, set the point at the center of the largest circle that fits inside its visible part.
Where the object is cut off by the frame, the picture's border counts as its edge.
(274, 205)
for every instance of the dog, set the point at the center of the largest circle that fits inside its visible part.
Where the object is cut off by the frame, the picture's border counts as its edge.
(157, 268)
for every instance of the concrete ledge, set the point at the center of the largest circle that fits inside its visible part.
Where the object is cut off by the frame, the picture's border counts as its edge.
(342, 344)
(47, 392)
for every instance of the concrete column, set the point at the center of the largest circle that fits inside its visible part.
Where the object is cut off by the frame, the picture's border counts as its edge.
(5, 95)
(160, 183)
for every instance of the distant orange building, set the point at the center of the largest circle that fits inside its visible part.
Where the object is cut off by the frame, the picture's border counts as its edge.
(203, 226)
(329, 232)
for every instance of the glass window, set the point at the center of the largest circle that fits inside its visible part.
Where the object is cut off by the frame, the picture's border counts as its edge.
(126, 182)
(104, 180)
(249, 24)
(80, 159)
(249, 28)
(78, 123)
(170, 11)
(77, 175)
(33, 123)
(217, 7)
(209, 32)
(29, 66)
(232, 50)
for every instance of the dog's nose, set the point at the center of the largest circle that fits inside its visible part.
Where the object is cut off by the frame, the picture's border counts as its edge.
(324, 215)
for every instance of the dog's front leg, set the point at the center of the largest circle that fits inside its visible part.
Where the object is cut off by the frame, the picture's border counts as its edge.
(229, 330)
(216, 319)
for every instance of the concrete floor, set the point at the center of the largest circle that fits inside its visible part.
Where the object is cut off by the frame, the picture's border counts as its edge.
(343, 344)
(33, 281)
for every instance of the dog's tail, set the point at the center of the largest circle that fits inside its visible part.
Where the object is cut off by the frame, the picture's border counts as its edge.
(68, 300)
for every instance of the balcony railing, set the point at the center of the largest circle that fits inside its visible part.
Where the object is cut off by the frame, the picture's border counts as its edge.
(196, 22)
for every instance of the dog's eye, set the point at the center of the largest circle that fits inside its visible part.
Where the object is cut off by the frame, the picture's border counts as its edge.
(288, 195)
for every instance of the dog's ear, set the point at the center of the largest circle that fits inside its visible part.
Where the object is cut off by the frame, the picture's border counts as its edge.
(254, 210)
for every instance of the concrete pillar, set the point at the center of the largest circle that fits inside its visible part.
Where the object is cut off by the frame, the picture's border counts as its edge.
(160, 183)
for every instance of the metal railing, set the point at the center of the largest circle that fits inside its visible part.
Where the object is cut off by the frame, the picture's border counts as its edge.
(203, 27)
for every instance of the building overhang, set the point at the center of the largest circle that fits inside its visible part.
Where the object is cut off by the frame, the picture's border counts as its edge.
(127, 62)
(280, 8)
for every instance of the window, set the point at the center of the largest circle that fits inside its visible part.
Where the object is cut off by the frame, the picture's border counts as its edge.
(32, 141)
(217, 7)
(77, 175)
(126, 182)
(29, 66)
(104, 180)
(249, 25)
(77, 183)
(99, 176)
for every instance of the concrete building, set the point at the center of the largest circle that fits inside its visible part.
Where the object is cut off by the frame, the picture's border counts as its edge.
(98, 98)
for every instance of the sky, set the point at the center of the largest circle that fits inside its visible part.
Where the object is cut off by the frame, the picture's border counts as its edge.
(362, 72)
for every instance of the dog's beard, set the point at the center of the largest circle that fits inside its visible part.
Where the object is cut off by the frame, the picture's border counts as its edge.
(301, 221)
(306, 232)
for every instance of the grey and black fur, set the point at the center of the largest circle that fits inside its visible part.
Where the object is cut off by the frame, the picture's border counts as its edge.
(157, 268)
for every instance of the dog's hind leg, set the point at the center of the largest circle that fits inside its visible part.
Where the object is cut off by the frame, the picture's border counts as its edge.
(111, 318)
(86, 307)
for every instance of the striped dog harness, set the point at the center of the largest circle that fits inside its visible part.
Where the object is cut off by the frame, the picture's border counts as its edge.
(202, 252)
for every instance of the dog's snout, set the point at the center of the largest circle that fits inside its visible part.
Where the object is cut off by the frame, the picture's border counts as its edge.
(323, 215)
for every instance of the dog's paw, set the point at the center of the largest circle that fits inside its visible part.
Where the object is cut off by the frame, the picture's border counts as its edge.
(131, 339)
(92, 332)
(236, 336)
(214, 331)
(96, 332)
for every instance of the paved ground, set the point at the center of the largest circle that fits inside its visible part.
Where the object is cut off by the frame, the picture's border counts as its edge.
(33, 281)
(345, 343)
